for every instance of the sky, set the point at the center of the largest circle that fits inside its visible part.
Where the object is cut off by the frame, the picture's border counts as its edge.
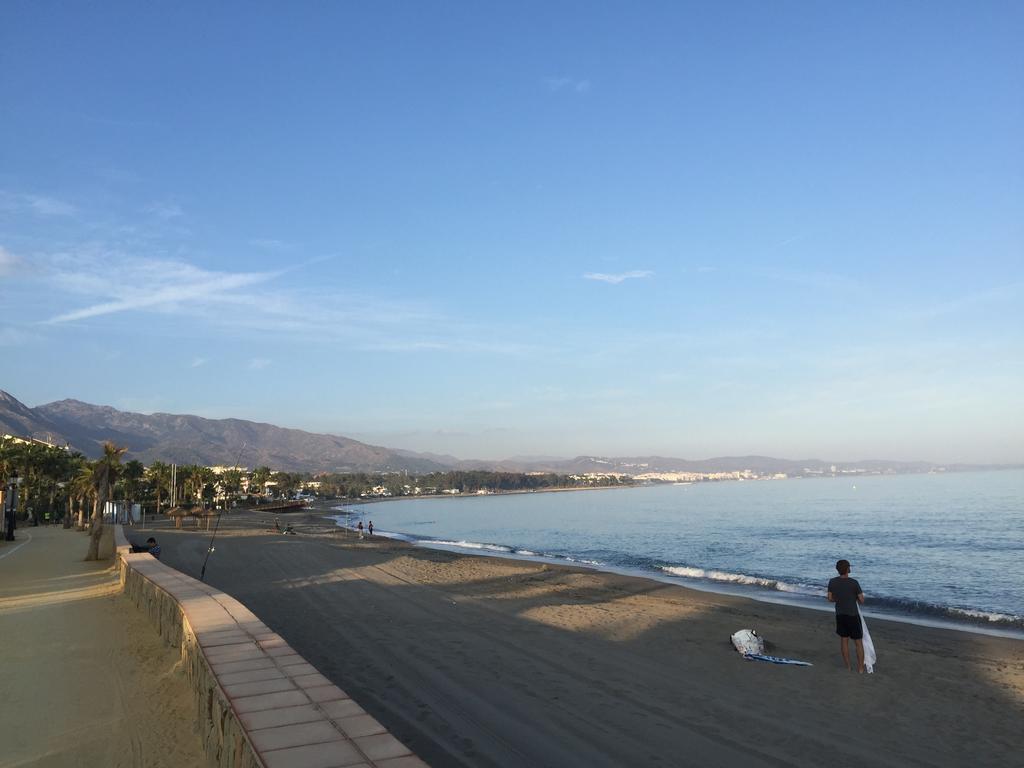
(525, 229)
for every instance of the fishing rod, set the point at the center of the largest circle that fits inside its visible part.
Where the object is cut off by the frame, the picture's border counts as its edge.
(216, 527)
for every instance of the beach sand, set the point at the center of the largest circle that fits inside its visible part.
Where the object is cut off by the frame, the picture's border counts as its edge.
(85, 680)
(480, 661)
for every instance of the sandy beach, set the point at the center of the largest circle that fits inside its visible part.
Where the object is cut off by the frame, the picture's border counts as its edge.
(480, 661)
(86, 681)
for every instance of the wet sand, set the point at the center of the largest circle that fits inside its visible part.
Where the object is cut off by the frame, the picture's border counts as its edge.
(85, 681)
(481, 661)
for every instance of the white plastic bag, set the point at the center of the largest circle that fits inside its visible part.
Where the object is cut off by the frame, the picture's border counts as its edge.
(748, 642)
(869, 647)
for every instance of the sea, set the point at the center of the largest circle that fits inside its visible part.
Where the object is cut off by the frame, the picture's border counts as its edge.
(942, 549)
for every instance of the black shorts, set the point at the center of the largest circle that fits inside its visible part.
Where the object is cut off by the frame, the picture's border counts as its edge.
(849, 626)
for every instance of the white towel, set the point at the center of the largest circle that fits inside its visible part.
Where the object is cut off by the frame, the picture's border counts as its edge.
(869, 647)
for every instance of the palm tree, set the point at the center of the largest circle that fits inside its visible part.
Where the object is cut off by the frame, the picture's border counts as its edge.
(7, 456)
(203, 479)
(82, 490)
(184, 482)
(105, 473)
(159, 476)
(55, 466)
(131, 477)
(75, 462)
(259, 479)
(30, 460)
(231, 484)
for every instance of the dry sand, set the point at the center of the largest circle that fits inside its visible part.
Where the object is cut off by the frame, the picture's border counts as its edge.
(85, 681)
(478, 661)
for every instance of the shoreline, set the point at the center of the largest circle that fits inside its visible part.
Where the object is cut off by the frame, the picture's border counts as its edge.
(474, 495)
(655, 483)
(758, 593)
(500, 662)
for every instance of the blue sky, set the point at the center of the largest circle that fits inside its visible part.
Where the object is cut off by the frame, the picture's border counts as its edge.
(536, 229)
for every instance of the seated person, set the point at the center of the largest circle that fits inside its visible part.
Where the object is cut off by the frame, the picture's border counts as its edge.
(150, 546)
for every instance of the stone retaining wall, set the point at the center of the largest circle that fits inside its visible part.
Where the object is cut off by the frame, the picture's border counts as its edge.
(258, 703)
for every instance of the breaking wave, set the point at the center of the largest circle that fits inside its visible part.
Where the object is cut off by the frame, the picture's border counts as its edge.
(878, 603)
(801, 593)
(468, 545)
(726, 577)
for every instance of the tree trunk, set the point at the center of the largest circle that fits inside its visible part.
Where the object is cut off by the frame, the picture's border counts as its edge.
(95, 529)
(70, 513)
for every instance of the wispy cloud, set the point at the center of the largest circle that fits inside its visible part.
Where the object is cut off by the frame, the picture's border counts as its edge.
(565, 83)
(138, 284)
(8, 261)
(270, 244)
(258, 363)
(787, 241)
(968, 301)
(615, 279)
(165, 210)
(826, 281)
(49, 206)
(92, 281)
(13, 337)
(197, 362)
(41, 205)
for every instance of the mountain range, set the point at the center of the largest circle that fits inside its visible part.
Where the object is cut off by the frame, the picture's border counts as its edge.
(187, 439)
(195, 440)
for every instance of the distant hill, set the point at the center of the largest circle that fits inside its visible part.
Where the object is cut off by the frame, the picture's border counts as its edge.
(18, 419)
(195, 440)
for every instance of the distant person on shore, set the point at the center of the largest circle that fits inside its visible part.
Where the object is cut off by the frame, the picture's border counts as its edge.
(845, 592)
(371, 528)
(359, 527)
(277, 525)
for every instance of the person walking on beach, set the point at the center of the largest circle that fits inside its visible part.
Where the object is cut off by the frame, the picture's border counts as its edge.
(370, 527)
(845, 592)
(359, 528)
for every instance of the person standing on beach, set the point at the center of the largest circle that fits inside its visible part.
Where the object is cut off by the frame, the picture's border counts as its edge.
(359, 528)
(845, 592)
(371, 528)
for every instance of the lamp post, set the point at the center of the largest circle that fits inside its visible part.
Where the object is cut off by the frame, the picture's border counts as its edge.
(11, 504)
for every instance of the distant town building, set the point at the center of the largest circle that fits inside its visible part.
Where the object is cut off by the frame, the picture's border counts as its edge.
(49, 442)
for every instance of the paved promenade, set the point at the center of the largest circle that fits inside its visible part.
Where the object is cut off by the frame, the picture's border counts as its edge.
(84, 678)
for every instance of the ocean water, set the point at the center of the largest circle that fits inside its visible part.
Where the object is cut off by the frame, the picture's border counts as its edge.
(938, 548)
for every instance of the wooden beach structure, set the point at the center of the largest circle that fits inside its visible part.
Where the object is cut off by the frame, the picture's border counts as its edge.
(180, 513)
(288, 505)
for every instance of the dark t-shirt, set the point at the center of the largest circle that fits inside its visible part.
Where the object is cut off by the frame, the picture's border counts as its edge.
(845, 592)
